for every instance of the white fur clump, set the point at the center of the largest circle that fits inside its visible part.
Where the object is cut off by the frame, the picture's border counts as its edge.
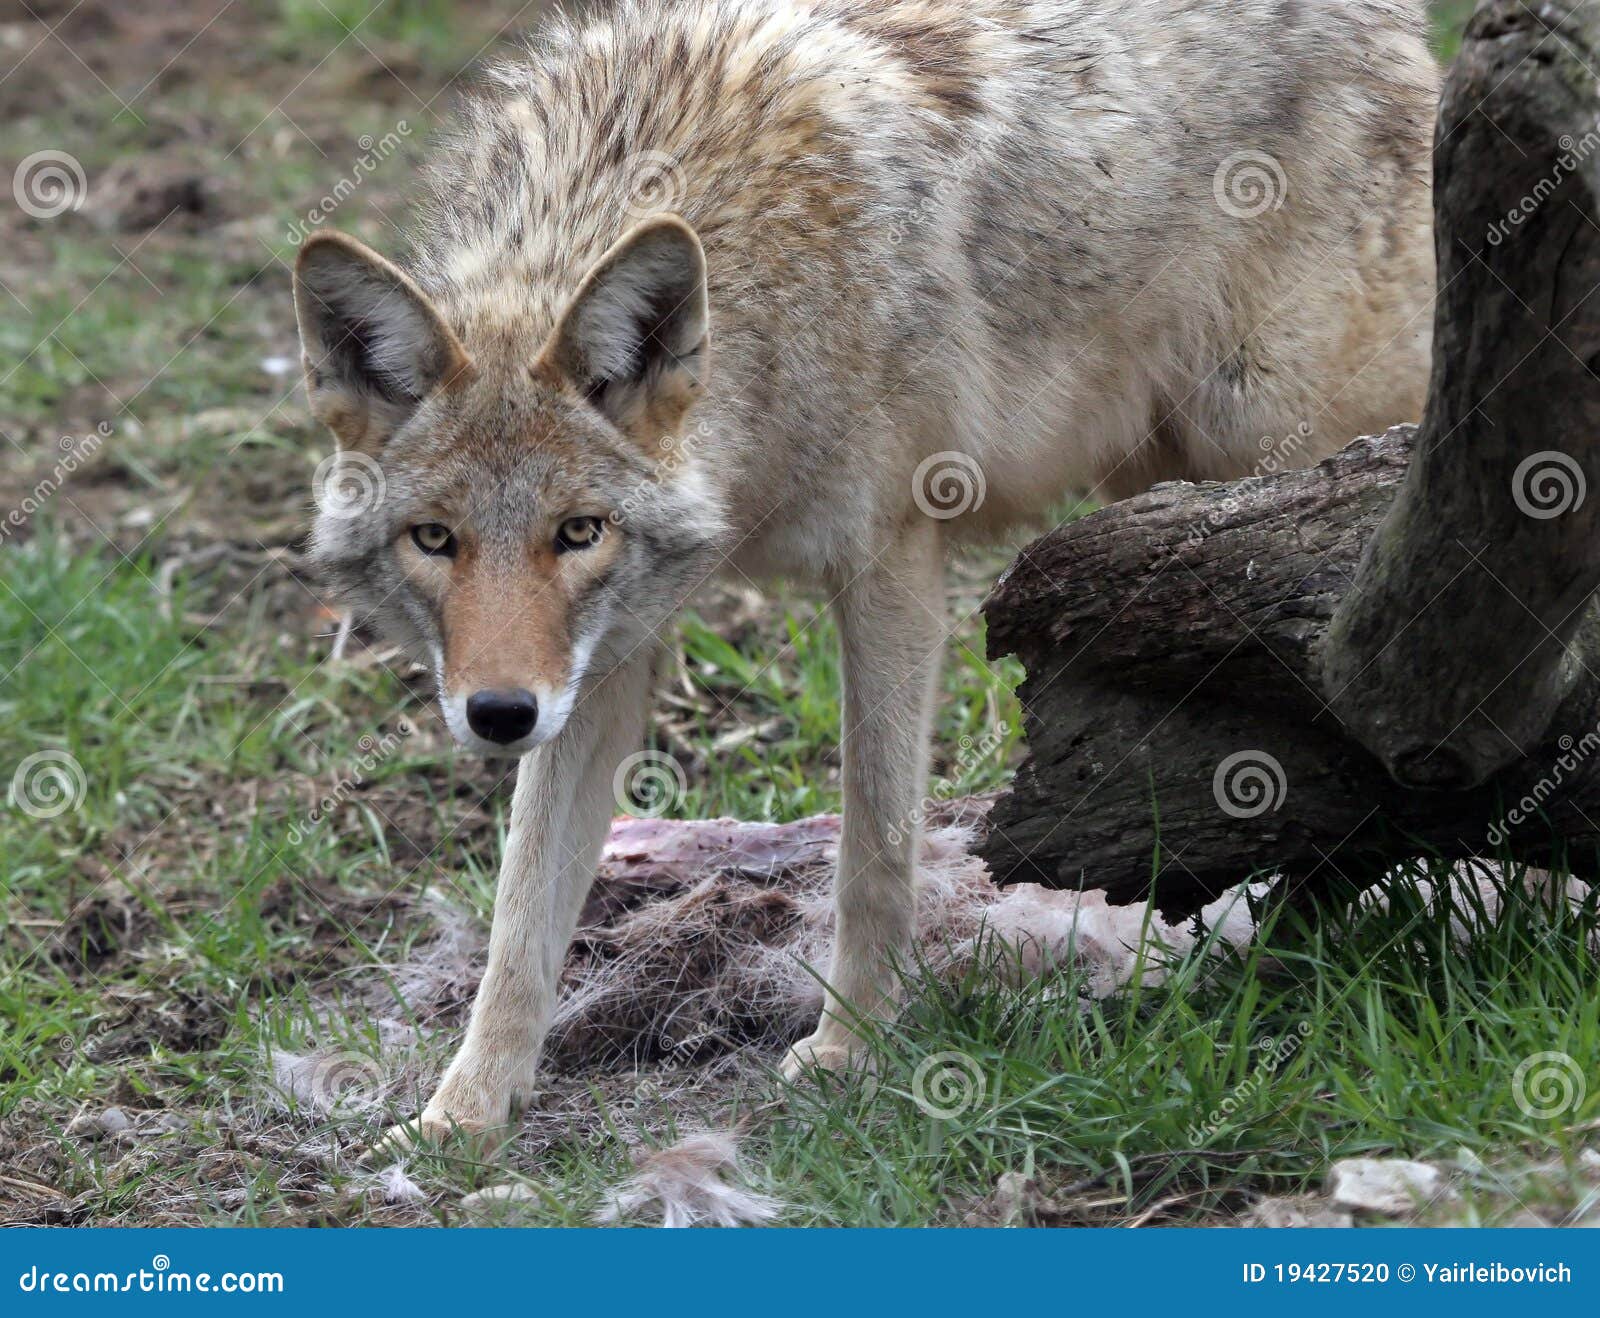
(1050, 930)
(326, 1081)
(292, 1080)
(691, 1183)
(296, 1082)
(398, 1187)
(1476, 890)
(443, 971)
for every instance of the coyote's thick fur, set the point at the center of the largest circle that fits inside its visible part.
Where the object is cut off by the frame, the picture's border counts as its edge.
(808, 288)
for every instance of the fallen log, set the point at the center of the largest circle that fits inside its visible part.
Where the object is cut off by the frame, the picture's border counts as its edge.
(1394, 653)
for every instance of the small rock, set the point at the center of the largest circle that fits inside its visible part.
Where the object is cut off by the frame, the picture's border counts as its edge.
(99, 1125)
(499, 1194)
(1590, 1158)
(1297, 1213)
(1391, 1186)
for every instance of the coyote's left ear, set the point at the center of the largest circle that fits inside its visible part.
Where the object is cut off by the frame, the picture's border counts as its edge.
(634, 339)
(374, 345)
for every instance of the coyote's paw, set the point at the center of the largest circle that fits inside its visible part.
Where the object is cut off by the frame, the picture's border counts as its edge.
(820, 1052)
(408, 1137)
(474, 1105)
(425, 1133)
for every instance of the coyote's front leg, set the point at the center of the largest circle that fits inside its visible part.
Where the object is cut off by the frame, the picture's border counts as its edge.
(563, 803)
(891, 618)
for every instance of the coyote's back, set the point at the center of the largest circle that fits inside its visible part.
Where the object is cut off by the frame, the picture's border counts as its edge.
(1087, 243)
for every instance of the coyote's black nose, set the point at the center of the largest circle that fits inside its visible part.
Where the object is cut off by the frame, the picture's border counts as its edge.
(502, 716)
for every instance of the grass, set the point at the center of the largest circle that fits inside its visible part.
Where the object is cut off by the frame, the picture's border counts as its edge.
(1447, 18)
(792, 697)
(195, 913)
(1372, 1033)
(427, 27)
(1398, 1037)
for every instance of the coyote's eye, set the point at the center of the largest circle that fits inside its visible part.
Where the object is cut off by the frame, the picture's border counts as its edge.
(578, 533)
(431, 538)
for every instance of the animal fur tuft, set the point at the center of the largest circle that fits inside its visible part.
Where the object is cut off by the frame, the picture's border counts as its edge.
(691, 1183)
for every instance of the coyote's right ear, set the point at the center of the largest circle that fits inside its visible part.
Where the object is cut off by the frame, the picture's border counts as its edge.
(373, 344)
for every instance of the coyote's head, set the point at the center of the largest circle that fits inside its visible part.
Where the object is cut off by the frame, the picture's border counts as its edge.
(523, 516)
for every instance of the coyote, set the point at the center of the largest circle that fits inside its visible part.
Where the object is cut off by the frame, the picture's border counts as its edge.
(812, 289)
